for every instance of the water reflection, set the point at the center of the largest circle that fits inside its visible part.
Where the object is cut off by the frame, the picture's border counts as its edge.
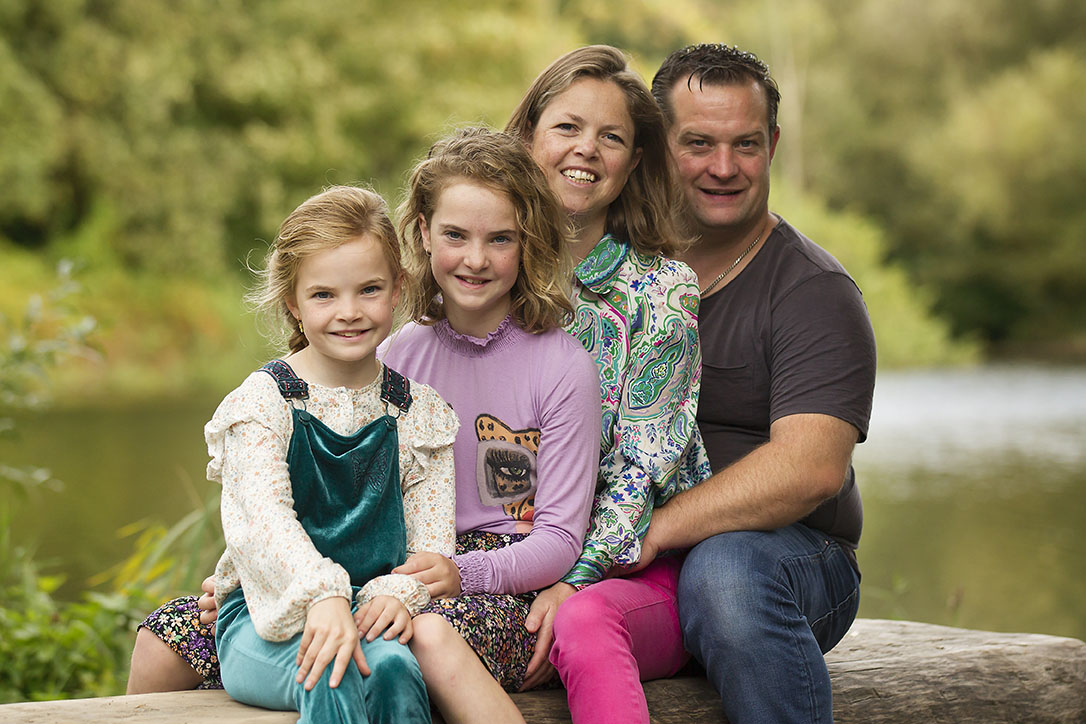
(974, 490)
(975, 493)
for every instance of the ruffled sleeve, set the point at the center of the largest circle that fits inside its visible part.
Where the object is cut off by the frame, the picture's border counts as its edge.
(658, 450)
(267, 551)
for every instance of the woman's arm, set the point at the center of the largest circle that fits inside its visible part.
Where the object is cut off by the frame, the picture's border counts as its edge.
(657, 449)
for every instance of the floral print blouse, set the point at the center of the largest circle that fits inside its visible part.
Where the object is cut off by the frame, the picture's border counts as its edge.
(637, 316)
(267, 550)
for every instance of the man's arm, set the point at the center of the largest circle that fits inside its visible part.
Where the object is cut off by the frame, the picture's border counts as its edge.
(804, 463)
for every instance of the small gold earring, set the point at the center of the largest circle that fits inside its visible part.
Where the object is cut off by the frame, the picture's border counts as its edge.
(300, 329)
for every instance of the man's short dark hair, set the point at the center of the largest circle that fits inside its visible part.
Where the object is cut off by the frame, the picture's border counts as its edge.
(713, 64)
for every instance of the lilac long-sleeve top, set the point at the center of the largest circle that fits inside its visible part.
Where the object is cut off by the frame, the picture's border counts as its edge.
(528, 447)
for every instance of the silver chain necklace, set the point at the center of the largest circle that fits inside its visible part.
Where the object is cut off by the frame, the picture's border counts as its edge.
(734, 264)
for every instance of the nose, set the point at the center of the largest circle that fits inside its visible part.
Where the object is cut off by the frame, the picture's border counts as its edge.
(349, 309)
(586, 145)
(475, 255)
(722, 163)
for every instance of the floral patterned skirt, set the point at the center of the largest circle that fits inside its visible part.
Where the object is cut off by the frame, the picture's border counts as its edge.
(492, 623)
(177, 623)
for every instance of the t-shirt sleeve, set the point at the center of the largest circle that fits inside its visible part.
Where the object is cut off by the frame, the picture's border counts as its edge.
(823, 352)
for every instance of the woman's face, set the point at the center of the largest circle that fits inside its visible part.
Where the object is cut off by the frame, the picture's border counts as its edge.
(584, 141)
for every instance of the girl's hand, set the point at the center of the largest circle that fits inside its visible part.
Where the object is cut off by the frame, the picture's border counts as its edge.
(438, 573)
(540, 621)
(383, 613)
(209, 610)
(329, 634)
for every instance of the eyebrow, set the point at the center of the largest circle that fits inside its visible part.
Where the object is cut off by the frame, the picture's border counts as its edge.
(444, 225)
(609, 127)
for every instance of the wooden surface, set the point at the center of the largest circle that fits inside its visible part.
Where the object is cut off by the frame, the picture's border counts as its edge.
(882, 672)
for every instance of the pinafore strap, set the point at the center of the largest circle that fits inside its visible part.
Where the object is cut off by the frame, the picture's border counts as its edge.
(395, 388)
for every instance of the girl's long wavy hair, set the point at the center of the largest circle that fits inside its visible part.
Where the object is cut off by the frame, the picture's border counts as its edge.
(541, 294)
(645, 212)
(335, 216)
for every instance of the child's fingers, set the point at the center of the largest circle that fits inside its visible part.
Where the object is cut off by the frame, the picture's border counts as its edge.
(307, 653)
(343, 655)
(382, 622)
(360, 660)
(413, 564)
(208, 586)
(400, 620)
(408, 631)
(537, 670)
(324, 656)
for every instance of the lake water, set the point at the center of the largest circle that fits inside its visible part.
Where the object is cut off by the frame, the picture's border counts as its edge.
(974, 486)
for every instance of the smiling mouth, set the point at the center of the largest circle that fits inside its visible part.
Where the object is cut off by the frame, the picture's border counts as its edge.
(580, 175)
(720, 192)
(351, 334)
(475, 282)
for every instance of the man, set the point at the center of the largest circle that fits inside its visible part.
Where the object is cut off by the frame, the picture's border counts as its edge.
(788, 353)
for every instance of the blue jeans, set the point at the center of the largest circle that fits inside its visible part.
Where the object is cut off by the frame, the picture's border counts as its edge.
(261, 673)
(758, 610)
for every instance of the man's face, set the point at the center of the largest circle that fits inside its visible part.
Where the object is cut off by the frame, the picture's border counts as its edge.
(722, 147)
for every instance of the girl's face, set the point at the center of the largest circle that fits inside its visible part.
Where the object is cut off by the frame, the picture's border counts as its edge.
(584, 143)
(474, 245)
(344, 298)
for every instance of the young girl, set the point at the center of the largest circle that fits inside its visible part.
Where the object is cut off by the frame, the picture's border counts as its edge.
(485, 237)
(333, 467)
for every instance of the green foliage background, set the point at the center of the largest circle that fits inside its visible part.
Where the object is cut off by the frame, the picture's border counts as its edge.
(159, 144)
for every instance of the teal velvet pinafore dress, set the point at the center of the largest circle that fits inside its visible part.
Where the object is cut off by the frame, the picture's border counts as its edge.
(347, 497)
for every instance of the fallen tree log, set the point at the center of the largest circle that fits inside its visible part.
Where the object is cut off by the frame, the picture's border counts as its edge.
(883, 672)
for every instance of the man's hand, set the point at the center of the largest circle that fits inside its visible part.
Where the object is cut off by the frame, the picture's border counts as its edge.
(540, 621)
(330, 635)
(383, 613)
(651, 546)
(438, 573)
(209, 610)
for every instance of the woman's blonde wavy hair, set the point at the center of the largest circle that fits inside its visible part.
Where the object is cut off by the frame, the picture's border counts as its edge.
(541, 294)
(337, 215)
(645, 212)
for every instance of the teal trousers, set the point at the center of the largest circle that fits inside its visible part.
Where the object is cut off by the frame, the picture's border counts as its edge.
(262, 673)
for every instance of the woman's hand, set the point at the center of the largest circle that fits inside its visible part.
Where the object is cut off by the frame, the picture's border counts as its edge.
(383, 613)
(540, 621)
(209, 609)
(330, 634)
(439, 574)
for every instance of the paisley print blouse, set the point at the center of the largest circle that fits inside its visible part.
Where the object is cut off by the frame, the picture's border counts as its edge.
(637, 317)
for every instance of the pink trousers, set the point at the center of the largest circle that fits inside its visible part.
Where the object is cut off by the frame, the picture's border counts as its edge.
(611, 636)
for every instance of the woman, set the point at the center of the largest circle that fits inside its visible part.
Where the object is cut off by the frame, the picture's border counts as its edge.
(592, 125)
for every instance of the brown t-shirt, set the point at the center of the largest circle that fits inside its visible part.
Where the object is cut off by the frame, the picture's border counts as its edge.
(789, 335)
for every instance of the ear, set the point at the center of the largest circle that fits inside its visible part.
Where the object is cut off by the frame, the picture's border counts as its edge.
(292, 305)
(425, 229)
(636, 160)
(397, 289)
(773, 142)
